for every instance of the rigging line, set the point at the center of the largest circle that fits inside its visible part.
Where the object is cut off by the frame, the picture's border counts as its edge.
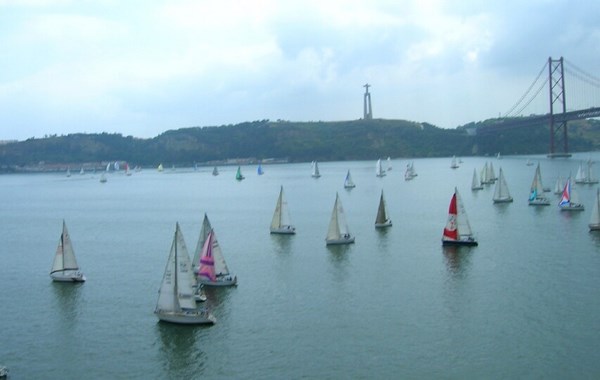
(580, 76)
(533, 97)
(510, 111)
(582, 72)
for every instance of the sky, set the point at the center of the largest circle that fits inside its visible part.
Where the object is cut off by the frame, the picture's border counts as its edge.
(142, 67)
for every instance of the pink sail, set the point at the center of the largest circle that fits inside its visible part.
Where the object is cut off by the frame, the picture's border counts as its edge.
(450, 231)
(207, 261)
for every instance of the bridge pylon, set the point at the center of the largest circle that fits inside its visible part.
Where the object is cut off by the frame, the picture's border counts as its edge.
(558, 108)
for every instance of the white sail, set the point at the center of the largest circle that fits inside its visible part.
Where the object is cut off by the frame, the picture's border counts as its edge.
(475, 182)
(501, 192)
(204, 231)
(338, 232)
(558, 186)
(221, 268)
(333, 232)
(65, 255)
(348, 182)
(315, 172)
(281, 222)
(185, 276)
(595, 217)
(491, 174)
(462, 221)
(454, 163)
(580, 176)
(389, 164)
(379, 172)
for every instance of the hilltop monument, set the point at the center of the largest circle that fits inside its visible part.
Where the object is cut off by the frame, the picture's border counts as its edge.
(368, 111)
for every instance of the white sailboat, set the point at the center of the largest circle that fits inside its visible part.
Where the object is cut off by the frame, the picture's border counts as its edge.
(281, 222)
(584, 176)
(382, 219)
(176, 302)
(64, 267)
(160, 167)
(454, 163)
(215, 171)
(213, 270)
(475, 182)
(410, 172)
(501, 193)
(569, 201)
(315, 170)
(379, 172)
(595, 217)
(68, 172)
(536, 193)
(338, 232)
(458, 229)
(389, 164)
(487, 176)
(348, 182)
(558, 186)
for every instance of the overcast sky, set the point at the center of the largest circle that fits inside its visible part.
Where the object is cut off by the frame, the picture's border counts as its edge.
(141, 67)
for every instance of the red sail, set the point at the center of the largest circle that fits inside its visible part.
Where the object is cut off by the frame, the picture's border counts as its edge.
(450, 232)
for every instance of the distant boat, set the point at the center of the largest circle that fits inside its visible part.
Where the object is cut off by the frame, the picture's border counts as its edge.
(595, 217)
(389, 164)
(569, 200)
(558, 186)
(127, 171)
(64, 267)
(536, 192)
(338, 232)
(454, 163)
(501, 193)
(584, 176)
(215, 171)
(348, 182)
(103, 178)
(281, 222)
(382, 219)
(410, 172)
(315, 170)
(160, 168)
(238, 174)
(259, 170)
(458, 229)
(68, 172)
(529, 162)
(3, 372)
(498, 156)
(475, 182)
(82, 172)
(379, 172)
(176, 301)
(213, 270)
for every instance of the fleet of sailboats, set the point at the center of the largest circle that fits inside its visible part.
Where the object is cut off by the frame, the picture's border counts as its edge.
(65, 267)
(176, 297)
(501, 192)
(338, 232)
(348, 182)
(458, 229)
(281, 222)
(536, 192)
(382, 219)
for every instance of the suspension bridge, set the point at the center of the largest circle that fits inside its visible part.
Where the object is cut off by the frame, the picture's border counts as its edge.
(551, 88)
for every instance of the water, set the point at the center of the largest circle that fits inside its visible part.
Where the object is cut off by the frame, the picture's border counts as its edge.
(524, 303)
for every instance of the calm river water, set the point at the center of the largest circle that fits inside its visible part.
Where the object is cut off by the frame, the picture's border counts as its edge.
(523, 304)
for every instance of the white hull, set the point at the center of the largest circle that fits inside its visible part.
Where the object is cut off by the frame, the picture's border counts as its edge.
(503, 200)
(387, 223)
(594, 227)
(348, 240)
(284, 230)
(186, 317)
(572, 207)
(539, 202)
(68, 276)
(221, 281)
(586, 182)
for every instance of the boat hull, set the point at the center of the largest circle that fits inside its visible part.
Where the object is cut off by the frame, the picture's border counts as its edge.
(539, 202)
(220, 282)
(572, 208)
(594, 227)
(465, 242)
(503, 200)
(349, 240)
(387, 223)
(186, 317)
(285, 230)
(68, 276)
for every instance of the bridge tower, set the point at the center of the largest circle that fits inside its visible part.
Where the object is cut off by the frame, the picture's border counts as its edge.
(368, 111)
(558, 120)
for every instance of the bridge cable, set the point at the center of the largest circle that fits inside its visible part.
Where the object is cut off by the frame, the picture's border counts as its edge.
(510, 111)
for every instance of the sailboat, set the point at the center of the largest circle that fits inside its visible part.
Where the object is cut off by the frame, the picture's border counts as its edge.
(315, 170)
(213, 270)
(176, 302)
(64, 267)
(103, 178)
(348, 182)
(259, 170)
(68, 172)
(595, 217)
(215, 171)
(569, 201)
(453, 163)
(410, 172)
(529, 162)
(389, 164)
(238, 174)
(536, 193)
(379, 172)
(160, 167)
(458, 229)
(475, 182)
(584, 176)
(558, 186)
(501, 193)
(281, 222)
(382, 219)
(338, 232)
(127, 171)
(81, 172)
